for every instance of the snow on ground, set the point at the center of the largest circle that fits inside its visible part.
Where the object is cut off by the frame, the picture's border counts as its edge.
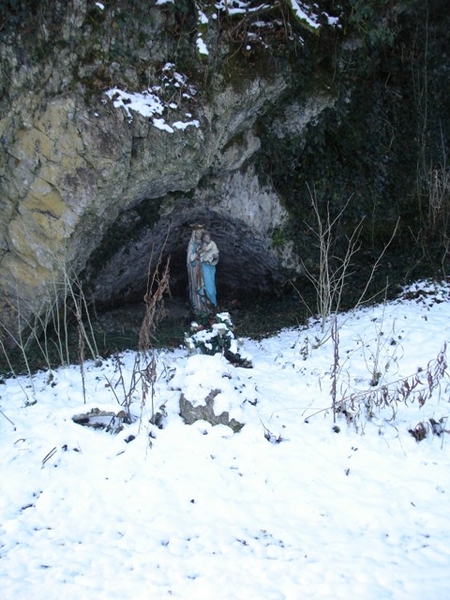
(326, 511)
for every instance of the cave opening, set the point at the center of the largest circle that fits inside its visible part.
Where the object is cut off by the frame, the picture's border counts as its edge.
(248, 276)
(247, 266)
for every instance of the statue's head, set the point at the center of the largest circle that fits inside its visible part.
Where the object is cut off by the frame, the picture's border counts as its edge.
(198, 230)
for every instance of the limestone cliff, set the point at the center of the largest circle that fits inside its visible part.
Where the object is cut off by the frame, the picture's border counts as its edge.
(122, 123)
(99, 125)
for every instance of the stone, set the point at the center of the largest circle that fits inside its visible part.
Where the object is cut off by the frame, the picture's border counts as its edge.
(205, 412)
(110, 421)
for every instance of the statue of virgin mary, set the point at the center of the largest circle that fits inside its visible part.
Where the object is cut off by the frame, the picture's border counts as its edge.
(209, 257)
(202, 258)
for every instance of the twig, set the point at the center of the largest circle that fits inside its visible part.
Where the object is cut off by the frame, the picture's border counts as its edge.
(48, 456)
(8, 419)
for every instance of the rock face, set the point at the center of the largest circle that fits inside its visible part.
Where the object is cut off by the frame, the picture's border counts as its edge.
(122, 124)
(92, 182)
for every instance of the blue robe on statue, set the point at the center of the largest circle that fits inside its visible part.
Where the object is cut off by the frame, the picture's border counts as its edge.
(209, 278)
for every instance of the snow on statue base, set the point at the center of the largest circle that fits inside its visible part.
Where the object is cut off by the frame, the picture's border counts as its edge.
(217, 337)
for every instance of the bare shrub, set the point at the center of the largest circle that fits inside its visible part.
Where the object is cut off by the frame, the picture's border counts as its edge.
(359, 407)
(62, 302)
(439, 196)
(439, 208)
(141, 385)
(335, 271)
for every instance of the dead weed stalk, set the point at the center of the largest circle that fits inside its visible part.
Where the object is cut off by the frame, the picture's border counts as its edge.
(361, 406)
(144, 372)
